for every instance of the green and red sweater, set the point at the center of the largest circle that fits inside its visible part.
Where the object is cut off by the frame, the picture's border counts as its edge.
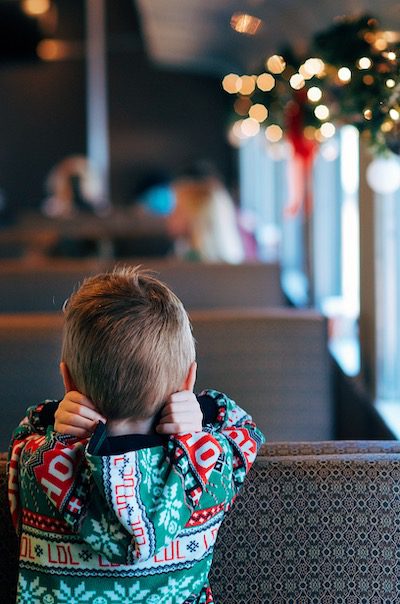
(125, 519)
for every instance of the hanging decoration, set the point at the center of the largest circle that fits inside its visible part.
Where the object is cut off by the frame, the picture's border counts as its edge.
(351, 75)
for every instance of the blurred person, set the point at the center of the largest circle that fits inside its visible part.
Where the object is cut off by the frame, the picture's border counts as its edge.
(203, 221)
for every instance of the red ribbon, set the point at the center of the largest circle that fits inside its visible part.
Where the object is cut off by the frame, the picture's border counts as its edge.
(304, 151)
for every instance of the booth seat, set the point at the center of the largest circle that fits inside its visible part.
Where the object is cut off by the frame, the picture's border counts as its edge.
(273, 362)
(45, 287)
(316, 523)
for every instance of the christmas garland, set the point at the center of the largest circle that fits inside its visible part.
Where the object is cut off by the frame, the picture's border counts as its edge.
(351, 76)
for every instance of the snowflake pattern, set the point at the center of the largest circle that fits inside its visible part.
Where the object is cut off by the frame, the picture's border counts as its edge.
(38, 550)
(104, 536)
(192, 546)
(85, 555)
(127, 595)
(171, 505)
(30, 592)
(71, 595)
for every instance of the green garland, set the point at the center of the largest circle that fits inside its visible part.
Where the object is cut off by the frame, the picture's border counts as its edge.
(358, 81)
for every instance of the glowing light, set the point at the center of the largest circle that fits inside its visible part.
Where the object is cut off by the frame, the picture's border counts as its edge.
(35, 7)
(368, 80)
(319, 136)
(321, 112)
(297, 81)
(383, 175)
(250, 127)
(364, 63)
(309, 133)
(387, 126)
(245, 24)
(273, 133)
(247, 85)
(242, 105)
(367, 114)
(344, 74)
(394, 114)
(391, 56)
(380, 44)
(330, 150)
(328, 130)
(49, 50)
(231, 83)
(265, 82)
(258, 112)
(276, 64)
(314, 94)
(237, 129)
(314, 66)
(390, 83)
(305, 73)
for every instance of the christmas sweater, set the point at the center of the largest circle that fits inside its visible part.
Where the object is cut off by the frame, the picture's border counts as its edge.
(125, 519)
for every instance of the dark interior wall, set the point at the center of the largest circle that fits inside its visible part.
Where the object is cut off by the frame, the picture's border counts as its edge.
(158, 119)
(162, 120)
(42, 119)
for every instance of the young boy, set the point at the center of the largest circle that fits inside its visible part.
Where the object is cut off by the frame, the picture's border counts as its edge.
(131, 512)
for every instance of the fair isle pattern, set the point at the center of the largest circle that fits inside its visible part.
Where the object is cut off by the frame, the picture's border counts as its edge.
(139, 526)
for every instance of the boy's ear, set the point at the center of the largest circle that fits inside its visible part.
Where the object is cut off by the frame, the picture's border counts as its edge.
(66, 376)
(190, 379)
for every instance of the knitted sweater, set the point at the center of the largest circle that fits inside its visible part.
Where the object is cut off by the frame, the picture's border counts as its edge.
(125, 519)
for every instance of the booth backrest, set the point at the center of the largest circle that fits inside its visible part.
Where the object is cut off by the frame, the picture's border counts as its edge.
(314, 523)
(273, 362)
(45, 288)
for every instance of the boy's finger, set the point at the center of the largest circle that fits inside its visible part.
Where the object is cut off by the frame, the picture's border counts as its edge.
(78, 397)
(72, 419)
(183, 417)
(83, 411)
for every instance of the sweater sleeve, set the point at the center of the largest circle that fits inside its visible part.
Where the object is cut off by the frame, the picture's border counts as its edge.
(237, 427)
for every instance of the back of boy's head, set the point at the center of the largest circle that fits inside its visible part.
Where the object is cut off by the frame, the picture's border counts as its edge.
(127, 342)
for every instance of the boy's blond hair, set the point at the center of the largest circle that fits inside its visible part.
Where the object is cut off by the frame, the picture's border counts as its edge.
(127, 342)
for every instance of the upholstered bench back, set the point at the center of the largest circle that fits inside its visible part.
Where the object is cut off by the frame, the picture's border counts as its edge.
(46, 287)
(273, 362)
(314, 523)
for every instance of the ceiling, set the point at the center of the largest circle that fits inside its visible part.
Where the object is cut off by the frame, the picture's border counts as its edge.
(196, 35)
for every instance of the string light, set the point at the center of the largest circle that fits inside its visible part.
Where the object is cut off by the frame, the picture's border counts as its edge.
(328, 130)
(367, 114)
(35, 7)
(265, 82)
(273, 133)
(391, 56)
(245, 24)
(387, 126)
(390, 83)
(314, 66)
(242, 105)
(258, 112)
(314, 94)
(394, 114)
(247, 85)
(297, 81)
(276, 64)
(250, 127)
(231, 83)
(368, 80)
(364, 63)
(321, 112)
(344, 74)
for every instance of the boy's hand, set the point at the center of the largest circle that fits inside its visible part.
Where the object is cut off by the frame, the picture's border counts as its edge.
(76, 415)
(180, 414)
